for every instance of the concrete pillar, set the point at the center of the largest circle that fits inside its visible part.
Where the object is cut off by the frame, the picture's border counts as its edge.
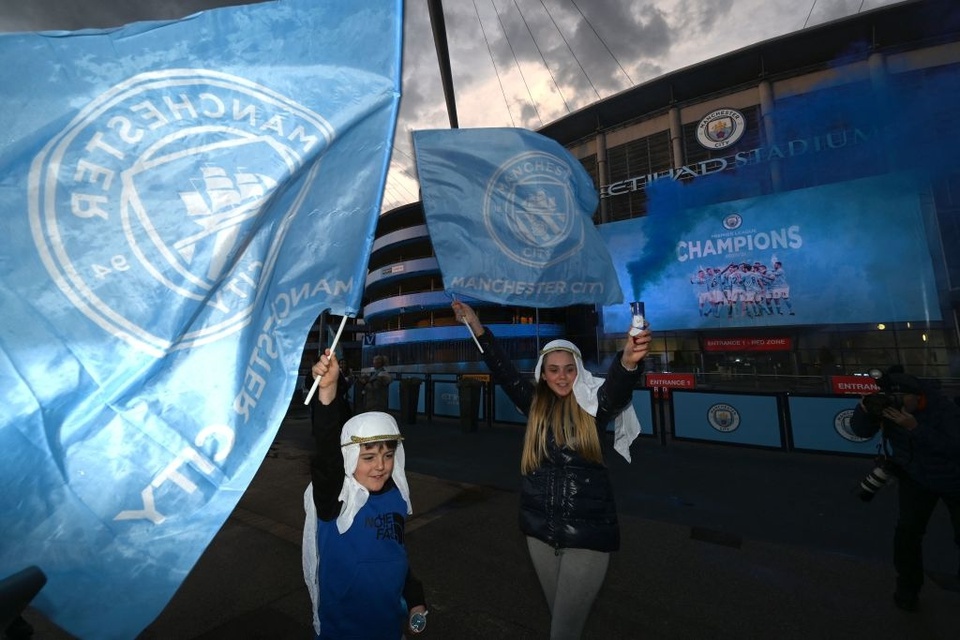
(602, 177)
(676, 137)
(768, 124)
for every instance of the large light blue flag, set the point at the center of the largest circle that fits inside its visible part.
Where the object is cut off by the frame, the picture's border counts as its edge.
(178, 203)
(509, 215)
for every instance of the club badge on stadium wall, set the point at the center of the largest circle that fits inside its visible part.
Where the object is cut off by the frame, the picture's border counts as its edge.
(720, 128)
(841, 424)
(723, 417)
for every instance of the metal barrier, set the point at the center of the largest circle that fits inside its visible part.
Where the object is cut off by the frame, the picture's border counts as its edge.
(785, 420)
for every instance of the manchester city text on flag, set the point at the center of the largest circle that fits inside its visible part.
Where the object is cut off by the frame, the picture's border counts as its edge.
(178, 203)
(509, 214)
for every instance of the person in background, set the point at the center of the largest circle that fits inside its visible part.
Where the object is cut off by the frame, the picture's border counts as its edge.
(354, 557)
(346, 381)
(375, 386)
(921, 430)
(567, 509)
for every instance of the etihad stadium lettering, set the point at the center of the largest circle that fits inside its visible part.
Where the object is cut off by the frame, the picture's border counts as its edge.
(800, 146)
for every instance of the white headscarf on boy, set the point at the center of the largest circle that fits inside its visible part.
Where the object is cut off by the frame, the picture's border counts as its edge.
(364, 428)
(585, 387)
(372, 426)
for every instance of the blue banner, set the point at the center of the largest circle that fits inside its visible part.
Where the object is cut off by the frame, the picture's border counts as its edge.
(727, 417)
(851, 252)
(509, 214)
(643, 405)
(178, 203)
(823, 424)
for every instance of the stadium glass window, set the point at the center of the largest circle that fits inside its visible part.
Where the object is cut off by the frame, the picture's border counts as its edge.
(634, 159)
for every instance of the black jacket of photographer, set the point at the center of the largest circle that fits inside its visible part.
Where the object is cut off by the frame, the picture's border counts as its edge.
(568, 502)
(930, 453)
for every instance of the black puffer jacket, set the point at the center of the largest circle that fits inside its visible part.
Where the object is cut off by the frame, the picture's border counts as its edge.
(567, 502)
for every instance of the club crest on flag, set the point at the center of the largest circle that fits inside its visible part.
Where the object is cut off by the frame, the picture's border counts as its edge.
(98, 178)
(530, 210)
(510, 216)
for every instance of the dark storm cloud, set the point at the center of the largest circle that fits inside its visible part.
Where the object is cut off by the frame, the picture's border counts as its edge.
(630, 30)
(610, 38)
(636, 37)
(518, 36)
(695, 17)
(422, 96)
(37, 15)
(589, 47)
(421, 70)
(584, 44)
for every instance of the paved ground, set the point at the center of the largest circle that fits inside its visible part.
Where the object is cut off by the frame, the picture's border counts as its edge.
(718, 542)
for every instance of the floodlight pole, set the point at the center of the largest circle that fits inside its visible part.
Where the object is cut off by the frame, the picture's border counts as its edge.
(443, 57)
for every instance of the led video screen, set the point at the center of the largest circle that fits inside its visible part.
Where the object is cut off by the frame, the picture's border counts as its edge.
(851, 252)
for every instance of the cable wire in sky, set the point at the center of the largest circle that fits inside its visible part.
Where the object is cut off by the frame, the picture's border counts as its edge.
(589, 24)
(495, 69)
(405, 154)
(569, 48)
(398, 192)
(810, 13)
(542, 59)
(514, 53)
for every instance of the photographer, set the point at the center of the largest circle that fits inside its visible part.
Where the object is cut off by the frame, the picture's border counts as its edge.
(921, 433)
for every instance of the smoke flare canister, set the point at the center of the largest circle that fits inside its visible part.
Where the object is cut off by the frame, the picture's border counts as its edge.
(639, 321)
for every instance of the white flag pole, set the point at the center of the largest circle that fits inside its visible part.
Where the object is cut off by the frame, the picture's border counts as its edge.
(472, 335)
(467, 325)
(333, 346)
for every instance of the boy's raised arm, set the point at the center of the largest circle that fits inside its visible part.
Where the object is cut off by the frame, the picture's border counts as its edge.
(329, 411)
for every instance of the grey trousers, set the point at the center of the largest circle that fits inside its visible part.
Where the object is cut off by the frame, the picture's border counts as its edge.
(571, 579)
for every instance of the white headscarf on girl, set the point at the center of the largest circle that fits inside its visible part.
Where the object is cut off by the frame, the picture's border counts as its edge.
(626, 424)
(364, 428)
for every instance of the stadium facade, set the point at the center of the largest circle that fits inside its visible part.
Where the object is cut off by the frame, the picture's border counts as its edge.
(804, 129)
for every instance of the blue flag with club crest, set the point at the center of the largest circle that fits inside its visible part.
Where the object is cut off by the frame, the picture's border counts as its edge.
(509, 215)
(179, 201)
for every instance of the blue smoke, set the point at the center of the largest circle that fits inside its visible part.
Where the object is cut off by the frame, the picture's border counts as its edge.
(848, 128)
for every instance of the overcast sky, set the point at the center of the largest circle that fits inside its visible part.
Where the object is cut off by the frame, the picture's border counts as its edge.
(519, 63)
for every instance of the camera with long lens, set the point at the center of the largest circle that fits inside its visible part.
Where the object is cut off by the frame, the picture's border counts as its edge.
(892, 386)
(876, 479)
(875, 403)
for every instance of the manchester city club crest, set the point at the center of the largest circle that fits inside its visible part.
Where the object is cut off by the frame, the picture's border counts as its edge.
(149, 169)
(721, 128)
(723, 417)
(732, 221)
(530, 210)
(841, 424)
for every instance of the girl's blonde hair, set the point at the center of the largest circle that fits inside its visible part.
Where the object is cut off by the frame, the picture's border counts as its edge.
(570, 425)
